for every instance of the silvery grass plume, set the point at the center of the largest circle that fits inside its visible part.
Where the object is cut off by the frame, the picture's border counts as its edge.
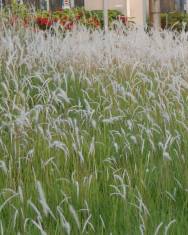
(46, 209)
(93, 131)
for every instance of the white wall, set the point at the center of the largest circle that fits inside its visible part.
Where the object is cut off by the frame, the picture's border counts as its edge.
(138, 10)
(131, 8)
(186, 5)
(112, 4)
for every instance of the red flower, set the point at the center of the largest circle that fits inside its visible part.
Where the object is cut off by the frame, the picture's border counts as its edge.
(55, 20)
(69, 25)
(13, 20)
(123, 19)
(41, 21)
(65, 18)
(94, 22)
(60, 10)
(62, 23)
(77, 17)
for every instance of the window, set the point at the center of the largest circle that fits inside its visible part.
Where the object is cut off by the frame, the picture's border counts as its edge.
(78, 3)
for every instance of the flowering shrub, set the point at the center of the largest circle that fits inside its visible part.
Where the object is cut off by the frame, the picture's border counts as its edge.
(70, 18)
(176, 21)
(66, 19)
(44, 22)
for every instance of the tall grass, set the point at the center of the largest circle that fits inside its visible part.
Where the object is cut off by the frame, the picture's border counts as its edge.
(93, 132)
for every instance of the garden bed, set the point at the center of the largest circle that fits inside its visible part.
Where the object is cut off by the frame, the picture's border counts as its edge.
(65, 19)
(175, 21)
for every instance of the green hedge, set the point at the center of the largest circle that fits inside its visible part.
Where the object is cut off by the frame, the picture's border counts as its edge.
(174, 21)
(22, 11)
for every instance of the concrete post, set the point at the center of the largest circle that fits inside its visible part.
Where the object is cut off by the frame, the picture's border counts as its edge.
(155, 13)
(128, 8)
(138, 11)
(105, 12)
(186, 6)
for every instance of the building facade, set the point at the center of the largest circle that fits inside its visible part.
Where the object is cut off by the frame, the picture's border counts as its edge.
(136, 9)
(173, 5)
(139, 10)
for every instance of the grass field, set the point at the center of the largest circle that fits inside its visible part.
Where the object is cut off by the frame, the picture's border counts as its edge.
(93, 132)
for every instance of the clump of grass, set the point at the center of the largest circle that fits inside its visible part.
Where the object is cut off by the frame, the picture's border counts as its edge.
(93, 132)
